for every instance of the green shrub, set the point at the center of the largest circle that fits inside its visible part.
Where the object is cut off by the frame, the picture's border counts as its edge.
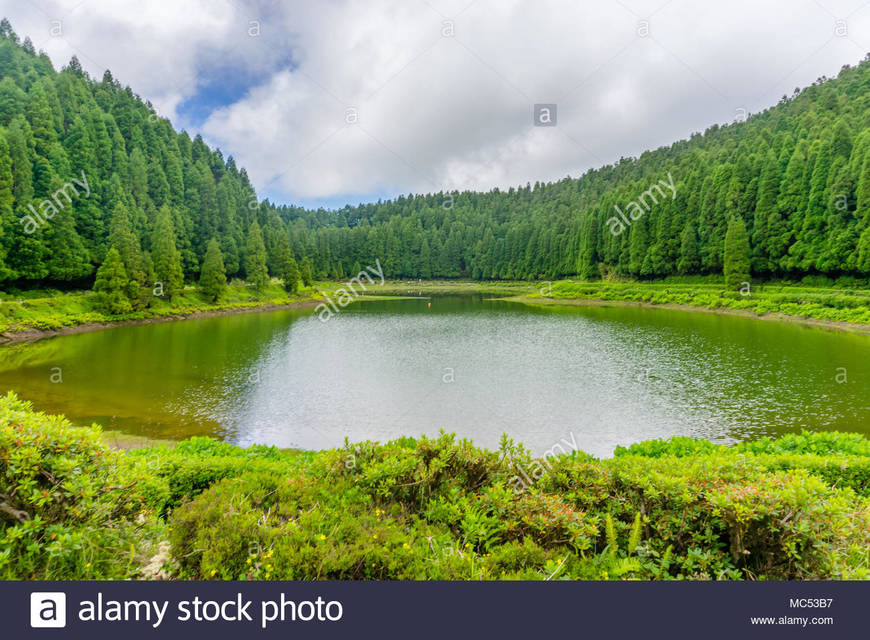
(791, 508)
(445, 509)
(182, 472)
(65, 511)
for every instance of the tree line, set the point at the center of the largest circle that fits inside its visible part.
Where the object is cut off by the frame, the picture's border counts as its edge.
(783, 193)
(792, 184)
(161, 209)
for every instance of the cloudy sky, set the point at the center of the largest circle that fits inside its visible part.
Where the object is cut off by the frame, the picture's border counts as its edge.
(334, 101)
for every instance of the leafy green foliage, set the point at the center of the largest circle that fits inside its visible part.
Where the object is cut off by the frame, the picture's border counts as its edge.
(429, 509)
(843, 304)
(444, 509)
(50, 310)
(68, 509)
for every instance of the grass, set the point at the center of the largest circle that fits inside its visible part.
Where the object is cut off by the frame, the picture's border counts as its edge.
(49, 310)
(417, 288)
(74, 508)
(818, 303)
(53, 310)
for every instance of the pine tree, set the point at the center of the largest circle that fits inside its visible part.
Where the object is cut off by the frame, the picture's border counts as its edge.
(122, 238)
(737, 263)
(7, 202)
(638, 243)
(230, 252)
(587, 266)
(255, 258)
(305, 272)
(424, 268)
(289, 273)
(68, 260)
(841, 224)
(213, 280)
(810, 242)
(167, 263)
(765, 210)
(797, 175)
(790, 207)
(689, 259)
(111, 283)
(27, 251)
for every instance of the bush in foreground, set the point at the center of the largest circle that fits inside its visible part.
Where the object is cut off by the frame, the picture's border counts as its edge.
(68, 508)
(793, 508)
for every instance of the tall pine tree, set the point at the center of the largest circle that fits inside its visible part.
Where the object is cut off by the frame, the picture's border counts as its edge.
(213, 279)
(167, 262)
(736, 258)
(255, 258)
(111, 284)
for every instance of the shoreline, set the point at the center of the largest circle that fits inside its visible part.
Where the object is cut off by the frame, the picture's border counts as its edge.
(831, 325)
(32, 334)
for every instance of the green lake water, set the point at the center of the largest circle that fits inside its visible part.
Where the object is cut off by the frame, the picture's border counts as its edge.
(590, 377)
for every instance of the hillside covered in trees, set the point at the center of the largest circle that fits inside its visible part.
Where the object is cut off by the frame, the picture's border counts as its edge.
(785, 193)
(797, 177)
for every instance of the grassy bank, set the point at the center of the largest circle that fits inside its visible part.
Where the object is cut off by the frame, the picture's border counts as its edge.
(27, 314)
(36, 311)
(824, 304)
(73, 507)
(416, 288)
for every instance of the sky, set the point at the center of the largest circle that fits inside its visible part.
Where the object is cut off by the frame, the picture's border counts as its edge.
(334, 102)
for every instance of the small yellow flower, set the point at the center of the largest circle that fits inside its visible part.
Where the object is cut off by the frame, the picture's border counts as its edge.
(87, 565)
(213, 571)
(321, 537)
(249, 561)
(405, 545)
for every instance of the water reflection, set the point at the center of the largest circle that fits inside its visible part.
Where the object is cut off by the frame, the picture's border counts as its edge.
(480, 368)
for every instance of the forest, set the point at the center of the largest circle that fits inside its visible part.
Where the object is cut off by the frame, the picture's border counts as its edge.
(782, 194)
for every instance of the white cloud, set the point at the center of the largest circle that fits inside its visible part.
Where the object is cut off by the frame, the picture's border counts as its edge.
(453, 112)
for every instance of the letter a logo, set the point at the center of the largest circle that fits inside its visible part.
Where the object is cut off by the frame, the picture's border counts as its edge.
(48, 609)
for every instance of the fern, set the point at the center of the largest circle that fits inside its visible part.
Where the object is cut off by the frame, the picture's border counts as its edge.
(622, 566)
(666, 562)
(634, 537)
(610, 532)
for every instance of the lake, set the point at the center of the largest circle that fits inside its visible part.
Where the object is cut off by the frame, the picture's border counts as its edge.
(591, 377)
